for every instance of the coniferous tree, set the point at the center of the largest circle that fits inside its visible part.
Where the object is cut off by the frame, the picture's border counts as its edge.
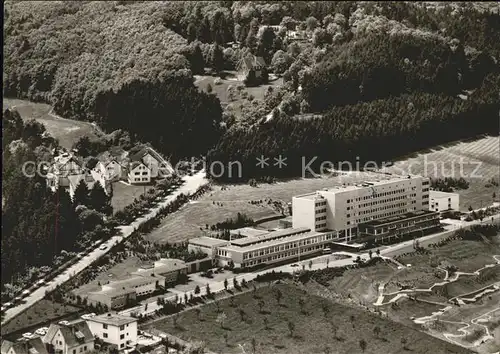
(98, 200)
(81, 195)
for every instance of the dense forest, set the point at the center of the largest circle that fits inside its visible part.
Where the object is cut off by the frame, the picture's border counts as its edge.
(33, 217)
(372, 131)
(375, 73)
(117, 65)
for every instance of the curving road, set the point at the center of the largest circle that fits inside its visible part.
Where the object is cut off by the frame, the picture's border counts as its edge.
(191, 184)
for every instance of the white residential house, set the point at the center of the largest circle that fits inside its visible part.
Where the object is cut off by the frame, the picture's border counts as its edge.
(73, 338)
(112, 164)
(158, 166)
(111, 170)
(139, 173)
(114, 329)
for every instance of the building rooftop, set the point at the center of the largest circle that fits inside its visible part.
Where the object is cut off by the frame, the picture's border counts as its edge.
(242, 242)
(310, 196)
(110, 292)
(133, 281)
(74, 333)
(164, 265)
(384, 180)
(439, 194)
(272, 242)
(207, 241)
(31, 346)
(401, 217)
(145, 151)
(248, 232)
(113, 319)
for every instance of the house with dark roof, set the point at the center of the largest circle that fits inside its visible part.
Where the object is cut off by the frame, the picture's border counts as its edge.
(73, 338)
(31, 346)
(252, 70)
(64, 166)
(158, 166)
(112, 164)
(139, 173)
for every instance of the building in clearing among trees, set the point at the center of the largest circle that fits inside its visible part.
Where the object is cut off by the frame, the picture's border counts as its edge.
(252, 70)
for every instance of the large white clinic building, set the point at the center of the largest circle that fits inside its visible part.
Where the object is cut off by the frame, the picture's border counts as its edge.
(343, 208)
(377, 211)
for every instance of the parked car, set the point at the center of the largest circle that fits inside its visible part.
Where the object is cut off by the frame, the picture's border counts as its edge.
(103, 247)
(64, 323)
(28, 335)
(41, 331)
(25, 292)
(327, 250)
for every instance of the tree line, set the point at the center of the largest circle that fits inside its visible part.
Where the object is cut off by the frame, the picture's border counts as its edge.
(379, 66)
(378, 130)
(38, 224)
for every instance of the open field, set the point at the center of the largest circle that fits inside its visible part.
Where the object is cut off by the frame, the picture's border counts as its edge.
(67, 131)
(467, 255)
(186, 223)
(41, 312)
(311, 332)
(477, 161)
(220, 90)
(285, 190)
(124, 195)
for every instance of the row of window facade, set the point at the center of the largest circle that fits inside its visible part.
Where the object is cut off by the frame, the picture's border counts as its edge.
(369, 218)
(282, 256)
(288, 246)
(377, 195)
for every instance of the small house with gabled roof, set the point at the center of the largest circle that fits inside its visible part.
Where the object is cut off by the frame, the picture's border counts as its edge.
(252, 69)
(72, 338)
